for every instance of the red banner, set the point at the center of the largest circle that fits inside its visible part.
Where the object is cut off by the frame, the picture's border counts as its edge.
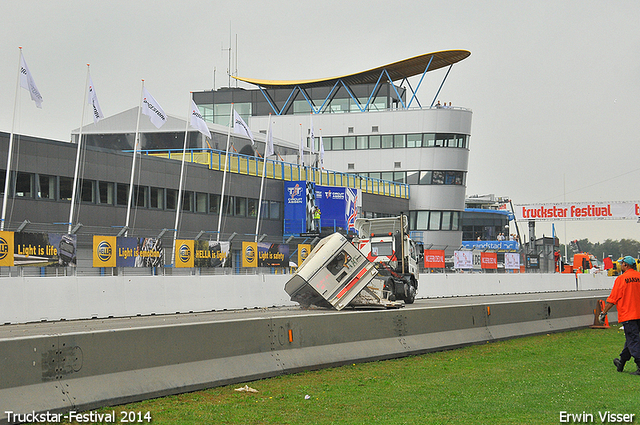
(434, 258)
(489, 260)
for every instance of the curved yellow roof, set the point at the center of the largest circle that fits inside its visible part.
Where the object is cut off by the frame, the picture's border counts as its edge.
(397, 71)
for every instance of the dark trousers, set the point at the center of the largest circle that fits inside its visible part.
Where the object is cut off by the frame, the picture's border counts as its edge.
(632, 341)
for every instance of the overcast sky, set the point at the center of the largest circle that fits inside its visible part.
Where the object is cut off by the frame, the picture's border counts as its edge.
(554, 85)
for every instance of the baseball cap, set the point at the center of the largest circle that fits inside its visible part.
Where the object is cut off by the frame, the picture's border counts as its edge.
(629, 260)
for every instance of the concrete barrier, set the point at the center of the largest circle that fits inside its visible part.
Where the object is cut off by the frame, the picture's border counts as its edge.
(35, 299)
(142, 358)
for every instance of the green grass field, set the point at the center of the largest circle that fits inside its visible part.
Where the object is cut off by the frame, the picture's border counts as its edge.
(520, 381)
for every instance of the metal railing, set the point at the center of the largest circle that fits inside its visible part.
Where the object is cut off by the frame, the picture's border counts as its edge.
(281, 170)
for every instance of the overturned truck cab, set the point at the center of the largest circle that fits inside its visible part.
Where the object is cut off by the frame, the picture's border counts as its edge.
(339, 273)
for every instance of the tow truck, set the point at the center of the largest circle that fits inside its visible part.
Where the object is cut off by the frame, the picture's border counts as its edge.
(376, 268)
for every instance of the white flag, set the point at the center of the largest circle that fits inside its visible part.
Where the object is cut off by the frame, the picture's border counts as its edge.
(93, 101)
(241, 127)
(152, 109)
(321, 153)
(197, 120)
(311, 136)
(268, 149)
(26, 82)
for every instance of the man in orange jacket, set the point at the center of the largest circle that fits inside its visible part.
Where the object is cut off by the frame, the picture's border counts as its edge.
(625, 295)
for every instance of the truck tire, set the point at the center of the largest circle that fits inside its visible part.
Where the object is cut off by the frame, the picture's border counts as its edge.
(410, 294)
(390, 286)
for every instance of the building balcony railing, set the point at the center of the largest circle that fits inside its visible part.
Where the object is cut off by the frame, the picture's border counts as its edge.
(281, 170)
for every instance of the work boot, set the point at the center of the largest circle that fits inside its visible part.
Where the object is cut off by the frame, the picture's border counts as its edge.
(637, 372)
(619, 364)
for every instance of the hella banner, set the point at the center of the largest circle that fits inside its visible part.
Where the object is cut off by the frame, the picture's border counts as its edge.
(37, 249)
(579, 211)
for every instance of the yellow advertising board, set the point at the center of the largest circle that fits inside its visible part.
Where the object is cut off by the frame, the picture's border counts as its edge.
(303, 252)
(104, 251)
(184, 253)
(6, 248)
(249, 254)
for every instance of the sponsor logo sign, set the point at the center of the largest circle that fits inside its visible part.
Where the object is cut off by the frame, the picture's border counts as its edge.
(489, 260)
(578, 211)
(434, 258)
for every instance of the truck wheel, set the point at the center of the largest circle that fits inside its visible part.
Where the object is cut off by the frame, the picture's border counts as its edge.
(410, 294)
(390, 287)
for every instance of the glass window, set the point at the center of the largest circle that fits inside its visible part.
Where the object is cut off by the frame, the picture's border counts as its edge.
(374, 142)
(172, 199)
(24, 185)
(201, 202)
(157, 198)
(450, 177)
(252, 207)
(339, 106)
(446, 220)
(422, 220)
(425, 177)
(274, 210)
(66, 188)
(140, 196)
(337, 143)
(106, 193)
(214, 204)
(363, 142)
(264, 210)
(429, 140)
(399, 141)
(387, 141)
(221, 112)
(399, 176)
(434, 220)
(187, 201)
(122, 193)
(412, 177)
(88, 191)
(438, 177)
(455, 220)
(387, 175)
(301, 107)
(350, 142)
(47, 187)
(374, 175)
(414, 140)
(229, 205)
(241, 207)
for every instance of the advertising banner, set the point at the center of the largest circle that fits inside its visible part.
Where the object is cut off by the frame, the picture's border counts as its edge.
(463, 259)
(184, 253)
(339, 206)
(211, 254)
(273, 255)
(111, 251)
(494, 245)
(303, 252)
(511, 260)
(44, 249)
(434, 258)
(578, 211)
(6, 249)
(296, 207)
(489, 260)
(104, 251)
(249, 254)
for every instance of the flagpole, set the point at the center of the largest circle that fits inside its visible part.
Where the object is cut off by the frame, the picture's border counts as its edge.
(179, 206)
(75, 173)
(10, 154)
(224, 175)
(133, 164)
(264, 171)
